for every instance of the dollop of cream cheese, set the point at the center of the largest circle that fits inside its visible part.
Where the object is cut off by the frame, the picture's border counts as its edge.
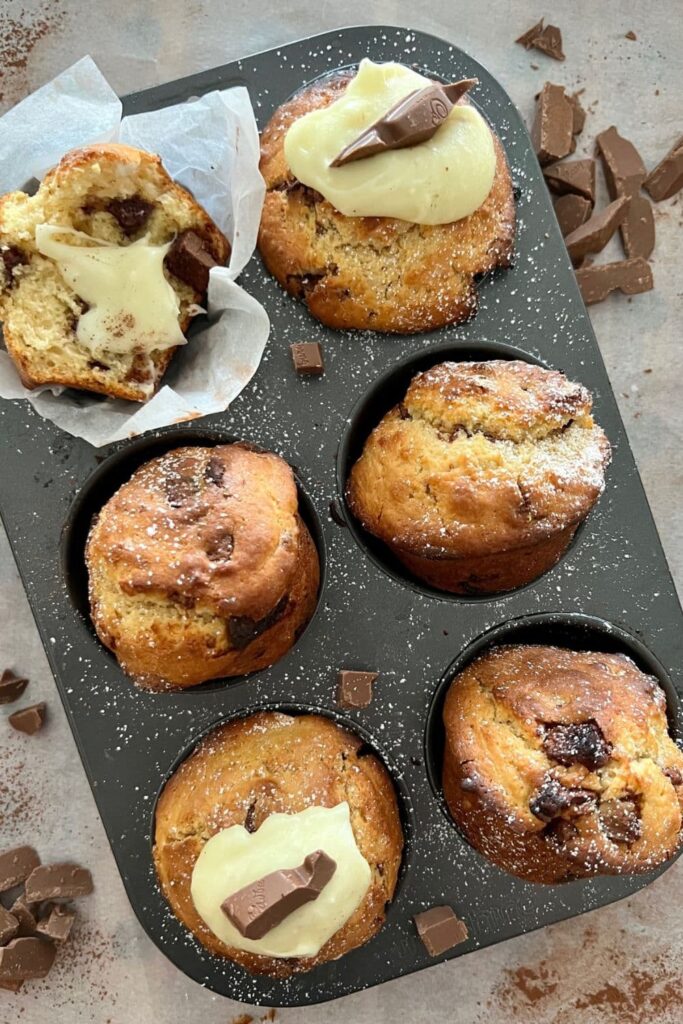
(133, 308)
(436, 182)
(234, 858)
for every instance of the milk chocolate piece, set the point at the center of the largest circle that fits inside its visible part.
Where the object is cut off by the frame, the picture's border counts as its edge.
(26, 958)
(549, 41)
(412, 120)
(552, 133)
(620, 820)
(594, 235)
(572, 211)
(628, 276)
(12, 257)
(190, 260)
(625, 173)
(666, 179)
(631, 35)
(440, 929)
(11, 686)
(261, 906)
(578, 113)
(355, 688)
(552, 799)
(527, 38)
(29, 720)
(16, 865)
(9, 926)
(577, 176)
(307, 357)
(24, 915)
(58, 882)
(57, 924)
(132, 213)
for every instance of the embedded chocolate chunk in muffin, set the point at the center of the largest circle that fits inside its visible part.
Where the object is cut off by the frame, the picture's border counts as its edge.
(553, 799)
(577, 743)
(190, 259)
(131, 213)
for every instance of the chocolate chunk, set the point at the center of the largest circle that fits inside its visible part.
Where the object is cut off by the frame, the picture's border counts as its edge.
(29, 720)
(307, 357)
(12, 258)
(26, 958)
(11, 686)
(579, 743)
(594, 235)
(190, 260)
(9, 926)
(576, 176)
(628, 276)
(215, 470)
(571, 212)
(261, 906)
(242, 629)
(552, 133)
(181, 483)
(631, 35)
(666, 179)
(625, 173)
(24, 915)
(57, 925)
(132, 213)
(355, 688)
(58, 882)
(553, 799)
(219, 545)
(674, 775)
(549, 41)
(412, 120)
(16, 865)
(578, 113)
(440, 929)
(527, 38)
(620, 820)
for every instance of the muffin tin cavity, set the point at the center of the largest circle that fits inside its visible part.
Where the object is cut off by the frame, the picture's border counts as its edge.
(116, 470)
(383, 394)
(574, 631)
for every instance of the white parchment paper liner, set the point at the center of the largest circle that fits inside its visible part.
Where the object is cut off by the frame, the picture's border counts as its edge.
(210, 145)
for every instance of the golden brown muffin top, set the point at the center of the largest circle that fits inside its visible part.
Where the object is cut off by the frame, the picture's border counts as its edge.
(575, 744)
(270, 763)
(480, 457)
(212, 529)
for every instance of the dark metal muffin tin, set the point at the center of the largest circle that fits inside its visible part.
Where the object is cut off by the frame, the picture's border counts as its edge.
(612, 590)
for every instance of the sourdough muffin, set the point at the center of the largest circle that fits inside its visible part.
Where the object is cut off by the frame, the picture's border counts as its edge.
(479, 478)
(375, 273)
(271, 763)
(104, 197)
(201, 567)
(558, 764)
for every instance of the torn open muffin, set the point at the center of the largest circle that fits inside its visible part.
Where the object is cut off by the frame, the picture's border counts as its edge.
(101, 272)
(558, 764)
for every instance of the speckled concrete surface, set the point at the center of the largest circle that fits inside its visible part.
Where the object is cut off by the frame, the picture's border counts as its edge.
(620, 965)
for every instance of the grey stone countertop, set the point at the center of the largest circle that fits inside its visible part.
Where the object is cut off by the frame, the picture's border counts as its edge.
(619, 965)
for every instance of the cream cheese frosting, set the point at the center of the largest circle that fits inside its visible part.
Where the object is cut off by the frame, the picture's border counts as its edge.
(234, 858)
(436, 182)
(132, 305)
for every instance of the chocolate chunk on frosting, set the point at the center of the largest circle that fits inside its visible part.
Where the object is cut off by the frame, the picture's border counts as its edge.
(412, 120)
(259, 907)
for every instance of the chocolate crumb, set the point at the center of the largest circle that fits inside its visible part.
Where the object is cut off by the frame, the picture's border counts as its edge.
(631, 35)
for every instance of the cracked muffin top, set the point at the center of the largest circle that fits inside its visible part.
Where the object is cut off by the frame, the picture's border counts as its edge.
(272, 763)
(480, 456)
(559, 763)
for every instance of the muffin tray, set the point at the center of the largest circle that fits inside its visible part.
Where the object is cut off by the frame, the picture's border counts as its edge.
(611, 591)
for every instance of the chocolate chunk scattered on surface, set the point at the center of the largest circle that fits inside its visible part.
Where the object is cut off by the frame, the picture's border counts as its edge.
(549, 42)
(24, 915)
(572, 211)
(578, 113)
(631, 35)
(11, 686)
(29, 720)
(577, 743)
(666, 179)
(625, 174)
(440, 929)
(132, 213)
(58, 882)
(628, 276)
(26, 958)
(354, 689)
(620, 820)
(259, 907)
(527, 38)
(594, 235)
(57, 924)
(552, 133)
(189, 260)
(9, 926)
(16, 865)
(412, 120)
(577, 176)
(307, 357)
